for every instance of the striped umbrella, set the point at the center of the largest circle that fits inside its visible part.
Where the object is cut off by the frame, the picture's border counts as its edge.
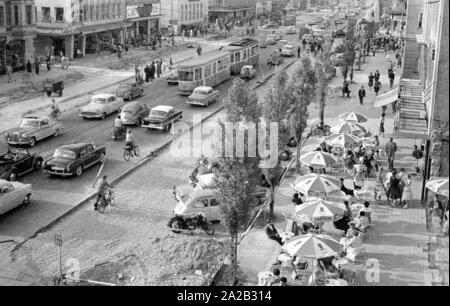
(348, 128)
(319, 211)
(439, 186)
(341, 140)
(313, 246)
(353, 117)
(316, 185)
(318, 159)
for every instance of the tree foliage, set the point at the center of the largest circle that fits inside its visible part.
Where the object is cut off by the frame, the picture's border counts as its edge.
(350, 42)
(323, 69)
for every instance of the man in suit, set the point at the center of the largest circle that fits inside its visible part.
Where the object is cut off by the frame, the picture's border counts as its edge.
(362, 95)
(391, 149)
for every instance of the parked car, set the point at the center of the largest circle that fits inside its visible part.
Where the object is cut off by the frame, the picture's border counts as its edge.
(337, 49)
(340, 33)
(33, 129)
(291, 30)
(129, 91)
(204, 96)
(162, 117)
(13, 194)
(134, 113)
(74, 159)
(191, 202)
(15, 164)
(248, 72)
(288, 50)
(337, 60)
(101, 106)
(271, 39)
(271, 25)
(172, 78)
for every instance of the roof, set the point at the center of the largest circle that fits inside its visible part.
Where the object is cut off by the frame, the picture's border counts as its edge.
(248, 67)
(74, 146)
(103, 95)
(34, 117)
(204, 59)
(243, 43)
(162, 108)
(203, 88)
(4, 183)
(133, 104)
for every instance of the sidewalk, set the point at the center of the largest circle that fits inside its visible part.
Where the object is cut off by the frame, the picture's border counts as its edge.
(399, 236)
(77, 94)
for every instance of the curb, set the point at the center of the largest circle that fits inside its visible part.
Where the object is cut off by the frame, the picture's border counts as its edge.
(142, 162)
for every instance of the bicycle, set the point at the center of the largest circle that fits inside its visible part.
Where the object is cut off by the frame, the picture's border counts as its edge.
(107, 200)
(127, 152)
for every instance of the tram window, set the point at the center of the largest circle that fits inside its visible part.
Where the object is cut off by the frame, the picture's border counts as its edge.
(214, 67)
(207, 70)
(232, 58)
(238, 57)
(254, 50)
(186, 76)
(226, 63)
(244, 55)
(219, 66)
(198, 74)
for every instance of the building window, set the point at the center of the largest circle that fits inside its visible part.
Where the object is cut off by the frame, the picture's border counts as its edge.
(16, 15)
(420, 20)
(8, 13)
(2, 18)
(59, 14)
(29, 14)
(46, 14)
(97, 9)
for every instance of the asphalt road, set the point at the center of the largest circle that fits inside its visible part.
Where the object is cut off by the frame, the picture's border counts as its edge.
(53, 196)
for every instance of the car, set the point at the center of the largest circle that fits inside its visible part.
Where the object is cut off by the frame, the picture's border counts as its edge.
(337, 60)
(129, 91)
(33, 129)
(291, 30)
(279, 35)
(191, 202)
(288, 50)
(248, 72)
(172, 78)
(338, 21)
(162, 117)
(271, 39)
(340, 48)
(16, 164)
(204, 96)
(101, 105)
(340, 33)
(13, 194)
(271, 25)
(74, 159)
(133, 113)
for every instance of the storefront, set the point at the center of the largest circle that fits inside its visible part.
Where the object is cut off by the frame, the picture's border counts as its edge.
(3, 40)
(15, 54)
(145, 22)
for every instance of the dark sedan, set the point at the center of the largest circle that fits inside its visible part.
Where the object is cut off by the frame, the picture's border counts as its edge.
(74, 159)
(13, 165)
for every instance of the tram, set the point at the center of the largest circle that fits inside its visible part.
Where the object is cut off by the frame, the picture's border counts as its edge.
(242, 53)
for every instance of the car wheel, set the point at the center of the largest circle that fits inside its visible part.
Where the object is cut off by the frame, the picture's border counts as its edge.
(102, 158)
(38, 164)
(79, 171)
(103, 116)
(32, 142)
(26, 201)
(12, 177)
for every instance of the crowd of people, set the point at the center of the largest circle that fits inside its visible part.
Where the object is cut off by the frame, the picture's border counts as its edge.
(151, 71)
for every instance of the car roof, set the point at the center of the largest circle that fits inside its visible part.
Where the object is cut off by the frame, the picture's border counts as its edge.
(74, 146)
(248, 66)
(3, 183)
(32, 117)
(203, 88)
(162, 108)
(104, 95)
(133, 104)
(287, 46)
(201, 193)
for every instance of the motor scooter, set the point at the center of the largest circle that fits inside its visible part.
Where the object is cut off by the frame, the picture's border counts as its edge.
(118, 134)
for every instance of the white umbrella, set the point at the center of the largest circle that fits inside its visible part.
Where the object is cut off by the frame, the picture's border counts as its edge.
(318, 159)
(347, 128)
(353, 117)
(319, 211)
(439, 186)
(316, 185)
(313, 246)
(341, 140)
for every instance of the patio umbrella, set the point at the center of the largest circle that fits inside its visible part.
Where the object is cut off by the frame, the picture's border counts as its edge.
(439, 186)
(318, 159)
(341, 140)
(347, 128)
(353, 117)
(315, 184)
(313, 246)
(319, 211)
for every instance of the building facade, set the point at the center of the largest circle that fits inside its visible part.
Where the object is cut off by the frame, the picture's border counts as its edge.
(17, 33)
(181, 15)
(231, 9)
(144, 18)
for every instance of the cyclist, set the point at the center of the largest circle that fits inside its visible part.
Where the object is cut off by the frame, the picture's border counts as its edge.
(101, 191)
(130, 141)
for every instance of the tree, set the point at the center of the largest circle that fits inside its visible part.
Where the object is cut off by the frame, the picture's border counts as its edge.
(237, 176)
(324, 75)
(350, 42)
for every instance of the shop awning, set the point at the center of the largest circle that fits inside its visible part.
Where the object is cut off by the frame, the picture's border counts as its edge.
(387, 98)
(105, 27)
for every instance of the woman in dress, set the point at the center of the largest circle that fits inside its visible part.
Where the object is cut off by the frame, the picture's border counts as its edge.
(371, 78)
(407, 192)
(395, 193)
(382, 120)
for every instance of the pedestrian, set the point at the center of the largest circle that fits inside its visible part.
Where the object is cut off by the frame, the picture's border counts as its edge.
(9, 71)
(155, 70)
(159, 69)
(136, 70)
(391, 78)
(382, 121)
(377, 87)
(29, 67)
(36, 65)
(48, 62)
(147, 74)
(163, 67)
(297, 200)
(351, 74)
(394, 191)
(346, 90)
(199, 50)
(399, 61)
(361, 95)
(377, 75)
(391, 150)
(191, 33)
(371, 78)
(374, 50)
(298, 52)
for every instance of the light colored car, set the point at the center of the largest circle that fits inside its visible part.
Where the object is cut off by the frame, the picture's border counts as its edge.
(271, 39)
(291, 30)
(172, 78)
(101, 105)
(248, 72)
(13, 194)
(134, 113)
(204, 96)
(191, 201)
(33, 129)
(288, 50)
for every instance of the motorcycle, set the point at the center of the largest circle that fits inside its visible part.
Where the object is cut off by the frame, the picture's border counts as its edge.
(179, 223)
(108, 200)
(118, 134)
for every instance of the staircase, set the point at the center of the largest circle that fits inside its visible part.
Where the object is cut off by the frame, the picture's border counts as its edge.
(412, 50)
(411, 111)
